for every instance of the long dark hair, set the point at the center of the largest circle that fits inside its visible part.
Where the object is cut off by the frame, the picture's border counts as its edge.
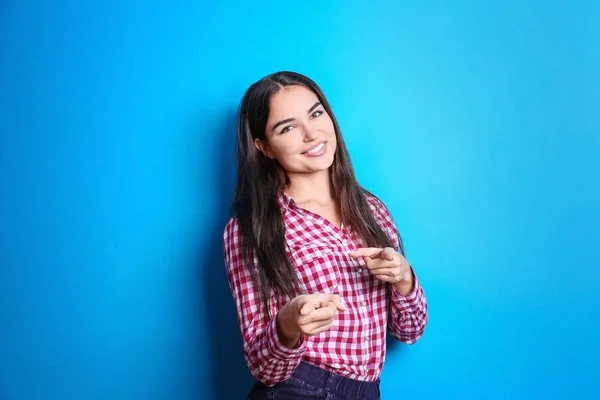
(260, 179)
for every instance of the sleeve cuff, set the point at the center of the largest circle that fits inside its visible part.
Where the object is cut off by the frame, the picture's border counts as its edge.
(410, 300)
(277, 349)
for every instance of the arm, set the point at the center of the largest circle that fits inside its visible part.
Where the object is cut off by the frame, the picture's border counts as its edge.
(408, 315)
(267, 358)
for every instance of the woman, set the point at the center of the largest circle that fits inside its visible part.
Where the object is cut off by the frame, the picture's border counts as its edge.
(311, 256)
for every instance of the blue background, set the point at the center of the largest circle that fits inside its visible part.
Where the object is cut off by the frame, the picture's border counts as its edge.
(476, 122)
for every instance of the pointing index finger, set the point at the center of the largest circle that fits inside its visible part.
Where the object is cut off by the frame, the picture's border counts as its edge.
(372, 252)
(336, 299)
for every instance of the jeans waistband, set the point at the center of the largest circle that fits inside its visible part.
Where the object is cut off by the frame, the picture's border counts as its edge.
(342, 386)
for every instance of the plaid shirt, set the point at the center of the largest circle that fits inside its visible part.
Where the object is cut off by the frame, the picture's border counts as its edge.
(355, 345)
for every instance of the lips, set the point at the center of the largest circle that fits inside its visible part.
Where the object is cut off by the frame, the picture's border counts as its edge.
(316, 149)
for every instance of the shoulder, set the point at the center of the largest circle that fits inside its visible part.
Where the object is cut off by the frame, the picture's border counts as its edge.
(231, 234)
(232, 224)
(383, 217)
(377, 206)
(233, 247)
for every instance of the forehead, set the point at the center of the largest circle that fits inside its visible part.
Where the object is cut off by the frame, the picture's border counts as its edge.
(291, 100)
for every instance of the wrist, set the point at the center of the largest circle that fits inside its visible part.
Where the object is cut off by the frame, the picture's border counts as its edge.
(289, 335)
(406, 284)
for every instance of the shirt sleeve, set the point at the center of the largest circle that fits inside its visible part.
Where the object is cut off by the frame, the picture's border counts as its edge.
(268, 360)
(408, 314)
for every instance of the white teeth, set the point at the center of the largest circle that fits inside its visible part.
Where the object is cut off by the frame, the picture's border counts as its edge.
(316, 149)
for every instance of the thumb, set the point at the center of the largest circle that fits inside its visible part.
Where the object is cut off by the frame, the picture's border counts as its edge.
(388, 254)
(337, 300)
(306, 306)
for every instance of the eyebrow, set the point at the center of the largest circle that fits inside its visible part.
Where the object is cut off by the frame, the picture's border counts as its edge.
(285, 121)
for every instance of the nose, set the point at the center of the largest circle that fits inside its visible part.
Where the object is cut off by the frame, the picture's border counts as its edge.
(310, 133)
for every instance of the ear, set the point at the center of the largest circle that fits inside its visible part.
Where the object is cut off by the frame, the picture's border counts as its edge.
(264, 148)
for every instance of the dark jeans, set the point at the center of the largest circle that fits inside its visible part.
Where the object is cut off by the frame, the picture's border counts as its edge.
(310, 382)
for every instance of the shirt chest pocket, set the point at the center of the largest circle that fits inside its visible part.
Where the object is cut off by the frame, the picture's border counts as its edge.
(317, 269)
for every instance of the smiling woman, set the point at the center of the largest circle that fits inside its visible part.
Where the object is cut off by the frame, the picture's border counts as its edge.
(304, 142)
(315, 263)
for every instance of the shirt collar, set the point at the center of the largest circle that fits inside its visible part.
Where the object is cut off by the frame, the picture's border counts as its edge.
(285, 201)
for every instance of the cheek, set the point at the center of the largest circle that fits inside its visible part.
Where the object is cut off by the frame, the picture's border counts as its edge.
(284, 147)
(330, 132)
(326, 125)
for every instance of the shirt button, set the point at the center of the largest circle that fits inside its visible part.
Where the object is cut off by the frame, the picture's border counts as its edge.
(365, 303)
(359, 270)
(366, 339)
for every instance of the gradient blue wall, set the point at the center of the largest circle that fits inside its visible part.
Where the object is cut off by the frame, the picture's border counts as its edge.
(476, 122)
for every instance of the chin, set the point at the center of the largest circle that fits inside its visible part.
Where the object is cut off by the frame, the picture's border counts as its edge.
(322, 165)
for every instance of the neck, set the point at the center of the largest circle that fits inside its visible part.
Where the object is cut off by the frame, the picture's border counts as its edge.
(304, 187)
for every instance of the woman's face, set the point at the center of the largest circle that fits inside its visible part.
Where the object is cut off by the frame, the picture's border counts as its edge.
(299, 133)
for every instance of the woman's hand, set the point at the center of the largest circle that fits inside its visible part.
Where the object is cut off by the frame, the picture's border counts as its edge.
(308, 314)
(387, 265)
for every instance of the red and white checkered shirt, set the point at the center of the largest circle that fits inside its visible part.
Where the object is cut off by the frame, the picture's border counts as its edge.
(355, 345)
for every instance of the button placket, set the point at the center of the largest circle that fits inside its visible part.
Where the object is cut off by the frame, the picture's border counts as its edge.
(367, 324)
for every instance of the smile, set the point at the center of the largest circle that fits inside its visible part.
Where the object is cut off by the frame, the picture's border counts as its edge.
(316, 151)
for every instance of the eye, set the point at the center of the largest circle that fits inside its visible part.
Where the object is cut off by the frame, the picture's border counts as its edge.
(316, 114)
(287, 129)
